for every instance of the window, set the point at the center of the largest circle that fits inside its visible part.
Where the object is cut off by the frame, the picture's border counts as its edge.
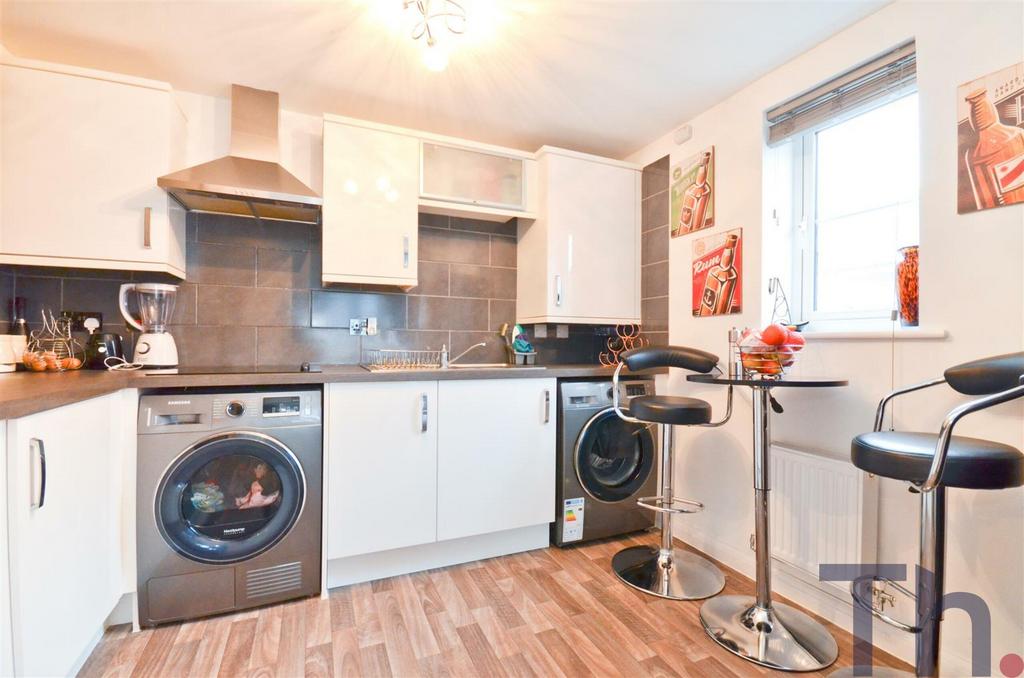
(852, 191)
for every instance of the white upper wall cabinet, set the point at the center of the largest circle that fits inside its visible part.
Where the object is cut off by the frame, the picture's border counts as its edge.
(476, 181)
(579, 261)
(370, 218)
(81, 154)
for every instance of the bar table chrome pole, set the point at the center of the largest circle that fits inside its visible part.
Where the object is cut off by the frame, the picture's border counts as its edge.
(753, 627)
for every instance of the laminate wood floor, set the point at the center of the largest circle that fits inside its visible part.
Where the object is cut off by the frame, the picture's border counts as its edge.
(548, 612)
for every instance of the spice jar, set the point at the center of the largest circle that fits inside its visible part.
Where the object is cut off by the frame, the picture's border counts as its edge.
(907, 285)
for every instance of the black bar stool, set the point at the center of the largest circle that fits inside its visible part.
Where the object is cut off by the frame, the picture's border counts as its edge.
(667, 571)
(931, 463)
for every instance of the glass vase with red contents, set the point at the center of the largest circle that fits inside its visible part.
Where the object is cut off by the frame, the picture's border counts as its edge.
(908, 285)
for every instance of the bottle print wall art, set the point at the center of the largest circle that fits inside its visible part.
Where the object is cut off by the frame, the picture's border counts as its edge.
(990, 132)
(718, 273)
(692, 203)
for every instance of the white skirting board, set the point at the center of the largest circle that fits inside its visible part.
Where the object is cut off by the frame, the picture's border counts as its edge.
(355, 569)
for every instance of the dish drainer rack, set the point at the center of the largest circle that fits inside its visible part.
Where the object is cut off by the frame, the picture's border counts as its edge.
(402, 359)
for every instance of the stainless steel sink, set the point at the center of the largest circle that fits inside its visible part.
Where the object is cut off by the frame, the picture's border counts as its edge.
(457, 366)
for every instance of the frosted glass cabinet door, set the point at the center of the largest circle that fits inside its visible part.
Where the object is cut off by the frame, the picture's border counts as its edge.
(472, 177)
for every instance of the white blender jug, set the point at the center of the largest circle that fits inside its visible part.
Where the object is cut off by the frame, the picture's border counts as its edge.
(155, 302)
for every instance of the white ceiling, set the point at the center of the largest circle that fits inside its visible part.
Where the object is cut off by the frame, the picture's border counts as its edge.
(601, 76)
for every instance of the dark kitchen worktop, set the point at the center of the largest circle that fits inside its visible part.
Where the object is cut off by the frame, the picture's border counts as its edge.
(24, 393)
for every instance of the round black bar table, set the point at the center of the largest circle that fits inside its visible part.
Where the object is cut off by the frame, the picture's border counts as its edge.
(770, 634)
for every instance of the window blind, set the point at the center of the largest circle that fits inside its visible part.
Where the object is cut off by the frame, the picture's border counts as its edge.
(873, 82)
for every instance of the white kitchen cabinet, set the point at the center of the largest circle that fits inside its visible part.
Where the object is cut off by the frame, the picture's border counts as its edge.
(476, 181)
(64, 533)
(382, 466)
(579, 261)
(370, 216)
(81, 154)
(6, 651)
(496, 455)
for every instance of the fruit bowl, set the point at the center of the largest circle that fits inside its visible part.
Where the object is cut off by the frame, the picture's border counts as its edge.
(770, 353)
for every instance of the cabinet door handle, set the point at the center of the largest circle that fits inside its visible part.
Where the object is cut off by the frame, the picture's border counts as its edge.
(37, 448)
(547, 405)
(558, 290)
(424, 413)
(147, 229)
(405, 251)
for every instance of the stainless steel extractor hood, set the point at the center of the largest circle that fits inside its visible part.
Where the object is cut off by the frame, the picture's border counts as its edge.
(250, 181)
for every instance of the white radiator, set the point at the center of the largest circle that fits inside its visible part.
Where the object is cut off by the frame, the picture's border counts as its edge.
(822, 511)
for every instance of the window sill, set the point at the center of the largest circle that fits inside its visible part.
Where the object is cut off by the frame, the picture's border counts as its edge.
(900, 334)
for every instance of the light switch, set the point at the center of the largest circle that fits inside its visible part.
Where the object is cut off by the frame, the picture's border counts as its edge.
(561, 331)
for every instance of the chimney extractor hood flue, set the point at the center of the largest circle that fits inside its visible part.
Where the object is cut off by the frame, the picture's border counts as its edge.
(250, 181)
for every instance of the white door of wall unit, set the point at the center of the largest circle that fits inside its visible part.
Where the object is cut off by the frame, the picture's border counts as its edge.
(81, 154)
(65, 553)
(587, 233)
(382, 460)
(370, 215)
(496, 455)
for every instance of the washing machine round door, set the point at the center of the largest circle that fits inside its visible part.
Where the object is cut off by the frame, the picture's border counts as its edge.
(230, 497)
(613, 458)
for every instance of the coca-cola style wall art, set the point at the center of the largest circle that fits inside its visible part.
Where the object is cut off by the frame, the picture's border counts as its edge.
(990, 131)
(693, 193)
(718, 273)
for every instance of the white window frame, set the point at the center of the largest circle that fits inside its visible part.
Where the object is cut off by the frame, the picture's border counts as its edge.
(804, 240)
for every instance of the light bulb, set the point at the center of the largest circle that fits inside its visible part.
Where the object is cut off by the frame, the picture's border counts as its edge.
(435, 59)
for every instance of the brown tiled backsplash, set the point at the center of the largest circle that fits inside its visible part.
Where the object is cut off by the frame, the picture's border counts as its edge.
(654, 241)
(253, 296)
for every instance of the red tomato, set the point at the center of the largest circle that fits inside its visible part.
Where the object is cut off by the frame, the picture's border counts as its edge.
(796, 340)
(774, 335)
(787, 356)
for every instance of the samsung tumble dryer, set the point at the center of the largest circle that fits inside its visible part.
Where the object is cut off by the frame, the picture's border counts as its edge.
(604, 464)
(228, 500)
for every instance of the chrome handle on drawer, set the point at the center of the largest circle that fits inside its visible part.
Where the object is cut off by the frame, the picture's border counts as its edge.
(37, 448)
(405, 251)
(547, 405)
(147, 229)
(424, 413)
(558, 290)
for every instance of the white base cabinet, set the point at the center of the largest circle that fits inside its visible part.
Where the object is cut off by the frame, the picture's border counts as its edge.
(413, 463)
(383, 451)
(63, 533)
(496, 455)
(81, 154)
(579, 261)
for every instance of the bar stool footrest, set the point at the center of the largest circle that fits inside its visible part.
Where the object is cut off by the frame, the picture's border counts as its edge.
(865, 603)
(662, 505)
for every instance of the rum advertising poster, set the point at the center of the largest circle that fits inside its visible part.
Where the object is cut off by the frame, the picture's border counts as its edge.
(990, 135)
(718, 273)
(693, 193)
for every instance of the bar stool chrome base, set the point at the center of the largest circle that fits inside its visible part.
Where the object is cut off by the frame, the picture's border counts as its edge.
(676, 574)
(779, 637)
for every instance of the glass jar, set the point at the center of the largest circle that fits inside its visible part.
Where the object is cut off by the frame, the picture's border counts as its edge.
(908, 285)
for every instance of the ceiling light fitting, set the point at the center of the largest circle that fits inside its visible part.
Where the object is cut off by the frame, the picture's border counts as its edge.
(447, 13)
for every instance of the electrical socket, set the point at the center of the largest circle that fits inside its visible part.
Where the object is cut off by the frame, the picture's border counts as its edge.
(362, 327)
(78, 319)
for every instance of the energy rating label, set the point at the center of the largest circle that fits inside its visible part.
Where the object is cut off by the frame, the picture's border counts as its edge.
(572, 519)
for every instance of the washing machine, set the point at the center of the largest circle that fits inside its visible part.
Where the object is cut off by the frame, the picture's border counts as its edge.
(603, 463)
(229, 500)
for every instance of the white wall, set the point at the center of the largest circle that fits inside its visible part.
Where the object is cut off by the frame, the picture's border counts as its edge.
(972, 282)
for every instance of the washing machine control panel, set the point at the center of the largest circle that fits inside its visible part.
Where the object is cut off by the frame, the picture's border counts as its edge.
(282, 406)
